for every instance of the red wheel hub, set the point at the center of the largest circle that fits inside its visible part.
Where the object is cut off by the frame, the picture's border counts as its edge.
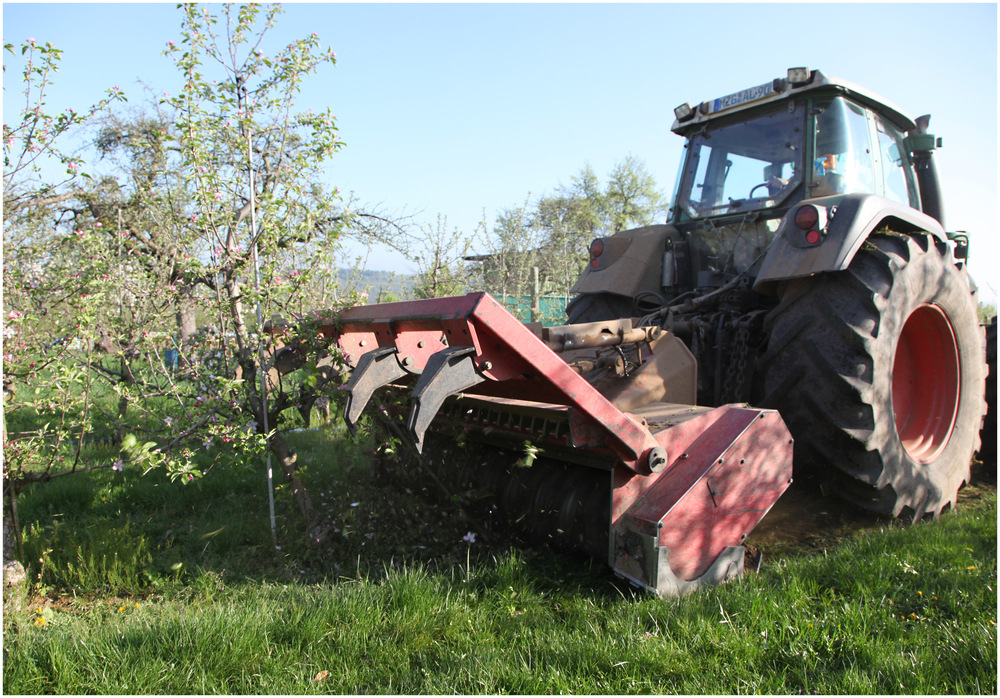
(925, 383)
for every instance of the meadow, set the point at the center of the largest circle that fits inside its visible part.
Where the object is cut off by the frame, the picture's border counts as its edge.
(142, 585)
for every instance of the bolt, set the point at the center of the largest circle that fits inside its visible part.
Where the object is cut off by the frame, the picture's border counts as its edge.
(362, 343)
(420, 344)
(407, 360)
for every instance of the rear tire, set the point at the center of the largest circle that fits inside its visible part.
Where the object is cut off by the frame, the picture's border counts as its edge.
(878, 372)
(988, 450)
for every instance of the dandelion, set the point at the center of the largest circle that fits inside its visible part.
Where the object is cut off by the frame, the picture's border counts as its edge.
(40, 621)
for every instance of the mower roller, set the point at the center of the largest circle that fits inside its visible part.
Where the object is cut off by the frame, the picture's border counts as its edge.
(805, 267)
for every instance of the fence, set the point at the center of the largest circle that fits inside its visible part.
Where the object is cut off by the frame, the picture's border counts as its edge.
(551, 310)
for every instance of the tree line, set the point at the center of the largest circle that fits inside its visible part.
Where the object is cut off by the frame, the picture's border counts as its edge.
(145, 266)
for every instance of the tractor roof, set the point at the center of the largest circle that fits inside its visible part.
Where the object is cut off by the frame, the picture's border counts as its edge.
(799, 80)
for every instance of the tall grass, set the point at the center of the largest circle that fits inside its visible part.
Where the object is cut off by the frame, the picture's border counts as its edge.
(198, 601)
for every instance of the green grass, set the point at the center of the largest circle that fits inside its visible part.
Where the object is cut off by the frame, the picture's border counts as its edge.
(197, 600)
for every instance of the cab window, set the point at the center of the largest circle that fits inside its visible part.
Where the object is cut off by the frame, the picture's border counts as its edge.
(842, 162)
(897, 172)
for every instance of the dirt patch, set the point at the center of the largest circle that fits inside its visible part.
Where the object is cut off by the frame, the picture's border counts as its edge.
(805, 519)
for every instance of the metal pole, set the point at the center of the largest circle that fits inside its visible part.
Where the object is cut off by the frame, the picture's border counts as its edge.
(260, 333)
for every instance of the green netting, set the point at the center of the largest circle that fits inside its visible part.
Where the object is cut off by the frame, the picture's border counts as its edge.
(552, 309)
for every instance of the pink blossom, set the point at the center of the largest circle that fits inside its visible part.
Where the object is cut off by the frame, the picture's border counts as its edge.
(31, 41)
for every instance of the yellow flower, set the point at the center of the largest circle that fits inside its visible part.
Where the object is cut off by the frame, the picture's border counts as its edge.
(121, 609)
(40, 621)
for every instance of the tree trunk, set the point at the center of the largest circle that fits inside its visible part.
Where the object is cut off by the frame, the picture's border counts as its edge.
(13, 571)
(186, 323)
(128, 379)
(317, 529)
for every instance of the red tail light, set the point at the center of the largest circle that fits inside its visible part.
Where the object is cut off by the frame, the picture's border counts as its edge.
(807, 217)
(811, 220)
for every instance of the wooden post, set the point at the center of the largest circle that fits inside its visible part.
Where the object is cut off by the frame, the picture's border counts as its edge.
(535, 295)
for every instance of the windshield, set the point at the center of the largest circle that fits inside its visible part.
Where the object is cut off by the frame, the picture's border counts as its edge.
(746, 165)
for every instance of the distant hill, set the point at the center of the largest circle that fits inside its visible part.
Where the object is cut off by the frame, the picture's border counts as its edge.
(382, 286)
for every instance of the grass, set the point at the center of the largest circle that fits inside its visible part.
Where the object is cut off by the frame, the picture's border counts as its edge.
(142, 586)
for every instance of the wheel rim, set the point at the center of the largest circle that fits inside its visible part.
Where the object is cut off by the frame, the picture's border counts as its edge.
(925, 383)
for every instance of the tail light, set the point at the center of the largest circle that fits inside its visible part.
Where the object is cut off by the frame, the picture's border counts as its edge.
(810, 226)
(596, 250)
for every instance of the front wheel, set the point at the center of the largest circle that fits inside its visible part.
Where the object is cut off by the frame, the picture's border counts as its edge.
(878, 372)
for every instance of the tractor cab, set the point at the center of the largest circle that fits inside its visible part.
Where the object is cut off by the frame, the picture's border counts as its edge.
(749, 157)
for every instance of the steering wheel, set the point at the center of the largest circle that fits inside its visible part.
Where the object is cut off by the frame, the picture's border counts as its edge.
(762, 184)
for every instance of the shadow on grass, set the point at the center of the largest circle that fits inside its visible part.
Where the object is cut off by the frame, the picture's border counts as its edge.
(134, 534)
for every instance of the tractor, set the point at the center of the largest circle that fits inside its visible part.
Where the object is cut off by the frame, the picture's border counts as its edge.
(802, 313)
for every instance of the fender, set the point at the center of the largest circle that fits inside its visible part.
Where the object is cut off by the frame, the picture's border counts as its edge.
(851, 221)
(624, 268)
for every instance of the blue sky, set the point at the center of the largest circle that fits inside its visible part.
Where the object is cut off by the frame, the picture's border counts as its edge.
(463, 110)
